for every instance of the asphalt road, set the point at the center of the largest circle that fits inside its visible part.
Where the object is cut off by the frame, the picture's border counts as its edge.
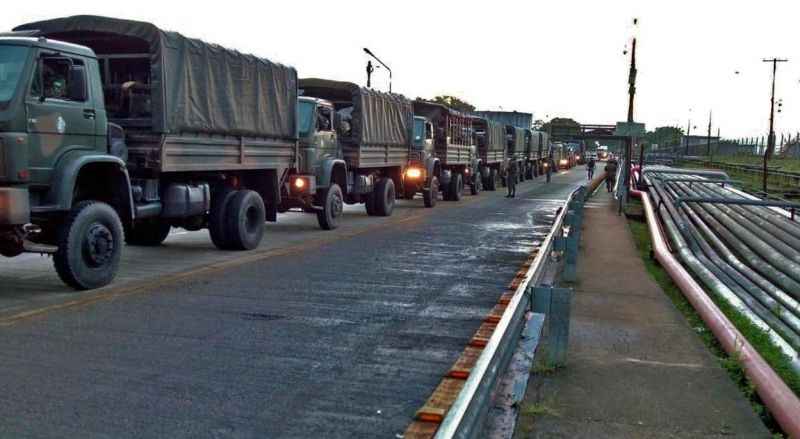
(342, 334)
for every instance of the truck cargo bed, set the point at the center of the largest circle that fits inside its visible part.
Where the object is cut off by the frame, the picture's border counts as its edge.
(170, 153)
(455, 154)
(372, 156)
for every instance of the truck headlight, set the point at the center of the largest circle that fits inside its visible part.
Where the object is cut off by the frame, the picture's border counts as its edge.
(302, 184)
(414, 173)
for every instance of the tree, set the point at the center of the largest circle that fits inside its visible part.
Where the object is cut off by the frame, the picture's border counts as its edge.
(663, 136)
(563, 124)
(454, 103)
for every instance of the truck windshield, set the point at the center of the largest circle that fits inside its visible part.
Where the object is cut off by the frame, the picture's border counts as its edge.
(419, 133)
(305, 117)
(12, 61)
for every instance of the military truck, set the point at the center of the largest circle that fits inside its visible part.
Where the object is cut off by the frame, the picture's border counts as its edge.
(543, 149)
(516, 140)
(455, 148)
(354, 148)
(490, 137)
(116, 130)
(424, 168)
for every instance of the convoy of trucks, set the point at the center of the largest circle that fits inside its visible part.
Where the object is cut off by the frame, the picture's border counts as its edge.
(114, 131)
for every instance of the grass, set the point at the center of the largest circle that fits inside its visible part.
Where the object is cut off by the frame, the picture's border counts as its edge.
(539, 409)
(758, 338)
(752, 181)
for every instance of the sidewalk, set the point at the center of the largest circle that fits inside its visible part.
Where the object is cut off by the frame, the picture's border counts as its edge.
(635, 369)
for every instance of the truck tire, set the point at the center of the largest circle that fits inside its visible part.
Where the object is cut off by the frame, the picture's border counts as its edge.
(147, 233)
(369, 203)
(477, 185)
(456, 188)
(332, 208)
(89, 245)
(430, 195)
(384, 197)
(245, 217)
(216, 217)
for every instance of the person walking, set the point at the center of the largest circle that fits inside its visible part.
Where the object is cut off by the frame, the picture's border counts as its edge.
(511, 179)
(611, 174)
(590, 168)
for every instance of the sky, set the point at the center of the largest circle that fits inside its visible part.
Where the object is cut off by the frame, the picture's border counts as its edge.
(556, 59)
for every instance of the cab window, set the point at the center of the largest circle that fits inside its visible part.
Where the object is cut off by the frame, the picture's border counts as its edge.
(54, 80)
(324, 119)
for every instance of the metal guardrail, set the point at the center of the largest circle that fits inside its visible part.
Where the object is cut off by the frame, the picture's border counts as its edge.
(466, 415)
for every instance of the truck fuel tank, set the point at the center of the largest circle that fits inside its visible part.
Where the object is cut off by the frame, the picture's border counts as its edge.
(182, 200)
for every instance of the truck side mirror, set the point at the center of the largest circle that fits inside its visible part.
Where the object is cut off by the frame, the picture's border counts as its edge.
(77, 84)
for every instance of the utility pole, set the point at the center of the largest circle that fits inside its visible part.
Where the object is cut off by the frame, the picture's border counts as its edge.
(688, 133)
(629, 140)
(708, 137)
(771, 138)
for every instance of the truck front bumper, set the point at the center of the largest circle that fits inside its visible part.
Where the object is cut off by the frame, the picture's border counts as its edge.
(14, 206)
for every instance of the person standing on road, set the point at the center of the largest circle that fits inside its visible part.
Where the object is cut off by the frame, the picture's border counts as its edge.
(590, 168)
(511, 179)
(611, 174)
(548, 168)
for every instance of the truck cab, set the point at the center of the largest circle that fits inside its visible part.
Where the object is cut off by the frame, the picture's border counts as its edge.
(424, 170)
(319, 162)
(62, 191)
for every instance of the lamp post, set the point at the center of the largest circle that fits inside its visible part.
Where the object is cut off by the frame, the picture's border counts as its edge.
(368, 52)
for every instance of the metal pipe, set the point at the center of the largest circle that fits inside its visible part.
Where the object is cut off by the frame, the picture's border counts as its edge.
(773, 299)
(724, 275)
(777, 396)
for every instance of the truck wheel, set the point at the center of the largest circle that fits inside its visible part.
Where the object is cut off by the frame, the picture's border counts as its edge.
(492, 180)
(245, 217)
(216, 217)
(147, 233)
(384, 197)
(476, 186)
(369, 203)
(430, 195)
(89, 246)
(328, 217)
(456, 187)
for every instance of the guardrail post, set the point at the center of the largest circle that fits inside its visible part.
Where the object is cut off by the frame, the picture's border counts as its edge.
(555, 304)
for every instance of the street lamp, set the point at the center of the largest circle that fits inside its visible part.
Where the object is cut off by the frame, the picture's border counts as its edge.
(368, 52)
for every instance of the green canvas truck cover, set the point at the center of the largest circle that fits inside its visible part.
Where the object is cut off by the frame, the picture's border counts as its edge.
(195, 87)
(377, 118)
(495, 133)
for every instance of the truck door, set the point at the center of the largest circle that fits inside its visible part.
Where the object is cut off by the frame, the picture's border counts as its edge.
(325, 131)
(61, 115)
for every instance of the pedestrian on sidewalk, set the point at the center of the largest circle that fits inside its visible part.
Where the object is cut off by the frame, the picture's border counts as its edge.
(511, 179)
(611, 174)
(590, 167)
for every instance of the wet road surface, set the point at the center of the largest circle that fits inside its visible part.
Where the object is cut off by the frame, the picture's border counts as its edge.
(337, 336)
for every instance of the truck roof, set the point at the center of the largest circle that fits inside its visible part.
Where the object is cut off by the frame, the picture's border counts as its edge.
(201, 87)
(24, 39)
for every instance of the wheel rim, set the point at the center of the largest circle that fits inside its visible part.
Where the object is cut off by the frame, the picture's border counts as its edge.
(337, 205)
(98, 245)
